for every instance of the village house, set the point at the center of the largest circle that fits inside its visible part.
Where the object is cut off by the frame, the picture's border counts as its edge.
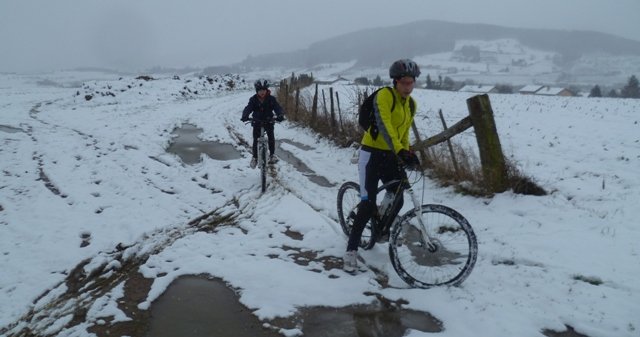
(545, 90)
(557, 91)
(530, 89)
(479, 88)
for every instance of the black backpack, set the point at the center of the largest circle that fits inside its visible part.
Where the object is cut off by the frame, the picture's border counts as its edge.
(366, 116)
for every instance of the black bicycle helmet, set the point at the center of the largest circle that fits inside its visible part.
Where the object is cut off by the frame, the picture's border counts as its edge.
(261, 85)
(402, 68)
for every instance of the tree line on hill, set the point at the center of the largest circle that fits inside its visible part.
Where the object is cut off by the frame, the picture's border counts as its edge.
(630, 90)
(441, 83)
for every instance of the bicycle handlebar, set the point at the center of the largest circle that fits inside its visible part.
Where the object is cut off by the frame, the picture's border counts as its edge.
(261, 121)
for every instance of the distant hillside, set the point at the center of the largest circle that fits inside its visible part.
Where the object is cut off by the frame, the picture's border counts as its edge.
(378, 46)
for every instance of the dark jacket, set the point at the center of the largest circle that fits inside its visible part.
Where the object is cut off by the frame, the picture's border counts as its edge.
(262, 110)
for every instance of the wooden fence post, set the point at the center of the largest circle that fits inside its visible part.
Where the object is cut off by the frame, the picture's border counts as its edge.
(453, 155)
(314, 107)
(286, 96)
(324, 106)
(339, 112)
(297, 102)
(426, 160)
(494, 168)
(333, 113)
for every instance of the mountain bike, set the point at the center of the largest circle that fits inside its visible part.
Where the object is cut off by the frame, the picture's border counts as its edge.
(263, 148)
(429, 245)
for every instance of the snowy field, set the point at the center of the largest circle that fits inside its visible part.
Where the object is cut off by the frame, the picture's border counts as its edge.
(83, 178)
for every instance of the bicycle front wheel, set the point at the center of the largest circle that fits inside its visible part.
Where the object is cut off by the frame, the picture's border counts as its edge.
(263, 167)
(452, 259)
(348, 200)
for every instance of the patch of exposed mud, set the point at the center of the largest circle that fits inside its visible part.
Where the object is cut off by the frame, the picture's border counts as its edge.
(570, 332)
(301, 167)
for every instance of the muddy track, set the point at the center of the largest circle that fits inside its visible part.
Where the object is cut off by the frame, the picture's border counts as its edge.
(37, 157)
(94, 278)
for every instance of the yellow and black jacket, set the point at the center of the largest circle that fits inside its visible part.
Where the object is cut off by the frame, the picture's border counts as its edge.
(393, 126)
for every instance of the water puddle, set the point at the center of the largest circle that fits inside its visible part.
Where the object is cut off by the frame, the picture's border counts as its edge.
(189, 147)
(300, 165)
(196, 306)
(365, 321)
(9, 129)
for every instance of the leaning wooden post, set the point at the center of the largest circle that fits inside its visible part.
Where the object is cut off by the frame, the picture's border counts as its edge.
(453, 155)
(494, 168)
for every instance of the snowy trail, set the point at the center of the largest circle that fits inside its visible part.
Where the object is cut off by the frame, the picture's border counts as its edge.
(150, 172)
(569, 258)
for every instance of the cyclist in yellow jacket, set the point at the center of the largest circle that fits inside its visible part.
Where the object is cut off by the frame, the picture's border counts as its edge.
(383, 148)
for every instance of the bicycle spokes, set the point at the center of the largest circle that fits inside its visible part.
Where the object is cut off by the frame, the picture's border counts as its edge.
(446, 259)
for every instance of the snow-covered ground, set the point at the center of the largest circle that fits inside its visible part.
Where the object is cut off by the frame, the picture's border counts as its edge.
(82, 177)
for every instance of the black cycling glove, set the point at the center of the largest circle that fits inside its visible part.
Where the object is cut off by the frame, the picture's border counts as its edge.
(409, 159)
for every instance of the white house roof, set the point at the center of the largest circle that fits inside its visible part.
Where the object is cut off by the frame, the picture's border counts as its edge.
(531, 88)
(549, 91)
(478, 88)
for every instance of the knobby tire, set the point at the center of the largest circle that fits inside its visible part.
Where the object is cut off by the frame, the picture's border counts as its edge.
(348, 200)
(263, 167)
(454, 258)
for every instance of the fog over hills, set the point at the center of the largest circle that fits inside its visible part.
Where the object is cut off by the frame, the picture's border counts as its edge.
(372, 47)
(505, 55)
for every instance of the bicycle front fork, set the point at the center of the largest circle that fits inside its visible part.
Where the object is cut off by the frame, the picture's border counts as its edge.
(262, 151)
(431, 246)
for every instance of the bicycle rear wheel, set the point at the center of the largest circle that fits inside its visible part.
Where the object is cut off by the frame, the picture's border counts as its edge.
(348, 200)
(452, 260)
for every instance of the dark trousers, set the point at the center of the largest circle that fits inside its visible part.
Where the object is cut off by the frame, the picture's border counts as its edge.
(268, 128)
(373, 166)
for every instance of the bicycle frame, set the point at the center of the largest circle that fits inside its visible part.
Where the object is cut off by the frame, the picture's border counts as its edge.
(405, 186)
(262, 140)
(262, 150)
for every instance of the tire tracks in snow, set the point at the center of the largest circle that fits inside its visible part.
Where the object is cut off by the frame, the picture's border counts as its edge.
(277, 177)
(95, 277)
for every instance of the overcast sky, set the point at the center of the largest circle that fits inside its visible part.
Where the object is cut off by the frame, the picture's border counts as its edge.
(137, 34)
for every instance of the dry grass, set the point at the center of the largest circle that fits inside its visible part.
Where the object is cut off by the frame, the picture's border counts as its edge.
(465, 175)
(342, 129)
